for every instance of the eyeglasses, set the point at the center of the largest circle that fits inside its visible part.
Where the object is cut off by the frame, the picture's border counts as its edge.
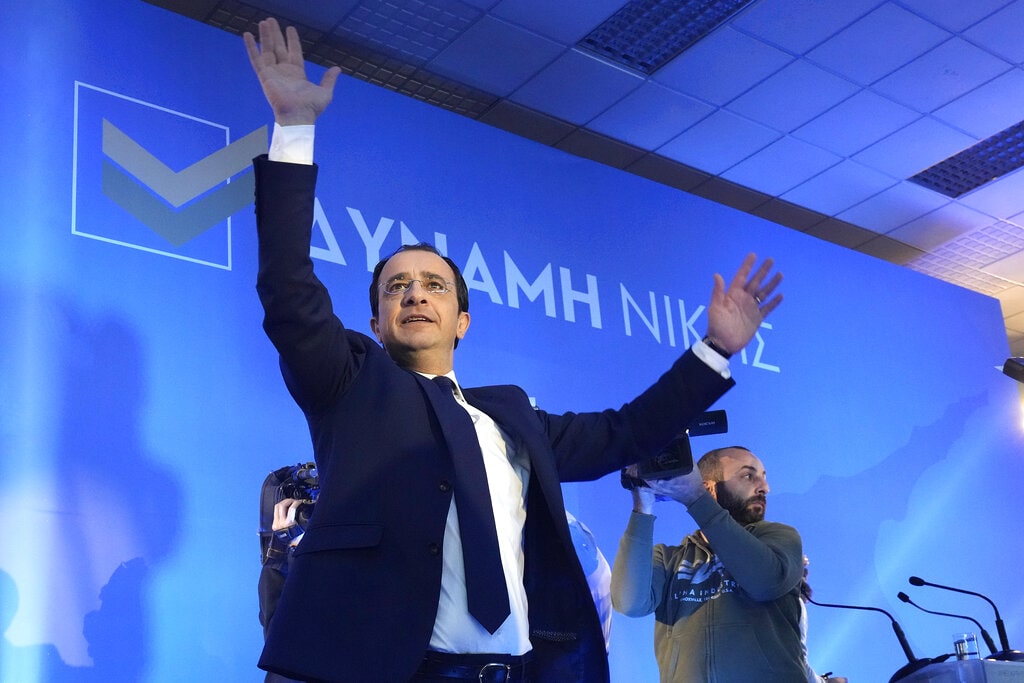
(400, 285)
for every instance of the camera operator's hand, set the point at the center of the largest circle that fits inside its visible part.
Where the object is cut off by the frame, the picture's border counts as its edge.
(643, 497)
(284, 513)
(643, 500)
(686, 488)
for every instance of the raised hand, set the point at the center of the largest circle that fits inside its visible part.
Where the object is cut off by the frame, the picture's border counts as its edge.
(277, 61)
(735, 313)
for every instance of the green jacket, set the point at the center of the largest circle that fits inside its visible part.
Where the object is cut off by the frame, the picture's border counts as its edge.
(727, 615)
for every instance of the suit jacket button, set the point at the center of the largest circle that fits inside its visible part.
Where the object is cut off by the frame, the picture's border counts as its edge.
(434, 548)
(445, 486)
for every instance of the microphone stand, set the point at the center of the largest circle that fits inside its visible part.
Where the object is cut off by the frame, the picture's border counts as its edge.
(1005, 654)
(984, 634)
(913, 663)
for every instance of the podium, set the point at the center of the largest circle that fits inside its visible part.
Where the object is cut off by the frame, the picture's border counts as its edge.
(969, 671)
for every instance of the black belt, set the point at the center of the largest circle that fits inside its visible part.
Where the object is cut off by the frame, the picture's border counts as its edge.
(479, 668)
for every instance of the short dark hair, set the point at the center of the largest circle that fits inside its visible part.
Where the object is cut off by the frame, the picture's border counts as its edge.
(710, 464)
(461, 289)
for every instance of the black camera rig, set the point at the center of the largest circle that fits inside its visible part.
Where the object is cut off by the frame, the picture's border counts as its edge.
(676, 458)
(298, 482)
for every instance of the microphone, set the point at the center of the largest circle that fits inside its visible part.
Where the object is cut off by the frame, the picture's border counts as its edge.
(984, 634)
(1005, 652)
(913, 663)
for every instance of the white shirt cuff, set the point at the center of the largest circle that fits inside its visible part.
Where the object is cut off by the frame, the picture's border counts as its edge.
(292, 144)
(712, 359)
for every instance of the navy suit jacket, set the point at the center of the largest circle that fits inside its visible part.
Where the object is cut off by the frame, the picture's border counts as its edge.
(362, 591)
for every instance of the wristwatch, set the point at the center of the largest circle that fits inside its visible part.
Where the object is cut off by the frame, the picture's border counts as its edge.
(710, 343)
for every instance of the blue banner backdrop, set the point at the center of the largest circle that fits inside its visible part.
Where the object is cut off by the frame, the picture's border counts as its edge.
(142, 405)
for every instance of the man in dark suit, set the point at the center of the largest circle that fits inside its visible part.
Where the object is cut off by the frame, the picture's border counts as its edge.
(380, 588)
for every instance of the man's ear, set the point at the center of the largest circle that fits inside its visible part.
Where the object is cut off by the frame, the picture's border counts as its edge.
(376, 329)
(710, 486)
(463, 324)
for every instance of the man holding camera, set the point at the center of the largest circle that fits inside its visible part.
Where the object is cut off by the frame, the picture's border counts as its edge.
(727, 600)
(278, 543)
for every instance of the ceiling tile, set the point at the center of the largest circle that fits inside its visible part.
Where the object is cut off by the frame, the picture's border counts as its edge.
(718, 142)
(202, 10)
(992, 34)
(1016, 340)
(839, 187)
(319, 15)
(890, 250)
(650, 116)
(841, 233)
(987, 110)
(799, 25)
(1015, 322)
(565, 21)
(986, 245)
(938, 227)
(667, 172)
(526, 122)
(878, 44)
(495, 56)
(955, 15)
(792, 97)
(721, 66)
(730, 194)
(945, 264)
(856, 123)
(605, 150)
(577, 87)
(1016, 220)
(1009, 268)
(788, 214)
(1012, 301)
(1002, 198)
(415, 34)
(915, 148)
(940, 76)
(781, 166)
(895, 206)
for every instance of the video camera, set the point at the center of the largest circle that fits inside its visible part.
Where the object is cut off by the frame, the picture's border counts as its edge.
(299, 482)
(676, 458)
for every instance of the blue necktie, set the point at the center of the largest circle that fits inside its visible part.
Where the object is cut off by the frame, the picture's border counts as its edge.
(485, 580)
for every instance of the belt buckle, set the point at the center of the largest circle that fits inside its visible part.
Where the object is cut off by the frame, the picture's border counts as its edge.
(496, 667)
